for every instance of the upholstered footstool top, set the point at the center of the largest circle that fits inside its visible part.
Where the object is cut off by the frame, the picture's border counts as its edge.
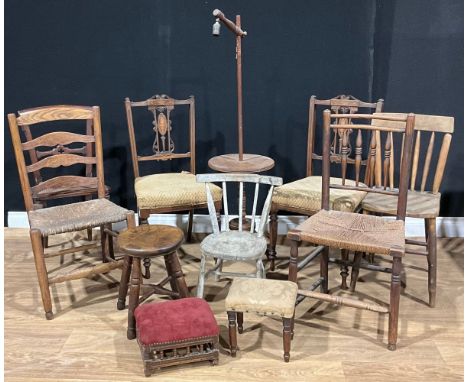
(262, 296)
(173, 321)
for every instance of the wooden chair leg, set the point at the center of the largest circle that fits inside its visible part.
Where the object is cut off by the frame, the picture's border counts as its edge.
(89, 234)
(135, 283)
(45, 242)
(240, 322)
(286, 338)
(292, 276)
(271, 251)
(260, 269)
(190, 226)
(232, 333)
(146, 261)
(344, 268)
(292, 327)
(355, 270)
(201, 277)
(124, 279)
(104, 245)
(431, 260)
(219, 268)
(173, 266)
(394, 303)
(110, 244)
(39, 261)
(324, 269)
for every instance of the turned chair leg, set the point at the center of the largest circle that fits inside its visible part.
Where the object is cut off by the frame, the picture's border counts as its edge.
(134, 297)
(176, 275)
(190, 226)
(240, 322)
(219, 269)
(395, 287)
(324, 269)
(39, 261)
(201, 277)
(355, 270)
(260, 269)
(344, 268)
(286, 338)
(431, 259)
(292, 275)
(232, 333)
(125, 278)
(146, 260)
(271, 250)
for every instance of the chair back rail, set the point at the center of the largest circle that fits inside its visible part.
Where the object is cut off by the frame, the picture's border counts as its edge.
(342, 104)
(224, 179)
(429, 127)
(161, 107)
(388, 125)
(59, 153)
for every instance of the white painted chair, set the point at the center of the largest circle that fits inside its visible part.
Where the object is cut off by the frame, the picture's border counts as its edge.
(236, 245)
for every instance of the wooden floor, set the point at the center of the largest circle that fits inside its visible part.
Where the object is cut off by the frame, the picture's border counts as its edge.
(87, 338)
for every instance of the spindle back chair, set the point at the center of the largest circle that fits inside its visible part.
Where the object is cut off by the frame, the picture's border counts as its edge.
(303, 196)
(69, 217)
(350, 230)
(237, 245)
(431, 132)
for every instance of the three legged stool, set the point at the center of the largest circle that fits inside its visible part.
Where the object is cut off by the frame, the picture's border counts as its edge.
(263, 296)
(148, 241)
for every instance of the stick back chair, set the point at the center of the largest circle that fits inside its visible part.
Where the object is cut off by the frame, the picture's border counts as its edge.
(166, 192)
(431, 131)
(304, 196)
(237, 245)
(353, 231)
(71, 217)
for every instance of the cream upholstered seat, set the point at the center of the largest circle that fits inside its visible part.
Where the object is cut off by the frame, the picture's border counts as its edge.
(170, 190)
(305, 195)
(264, 296)
(234, 245)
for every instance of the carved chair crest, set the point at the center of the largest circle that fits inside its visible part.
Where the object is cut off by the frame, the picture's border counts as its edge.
(162, 127)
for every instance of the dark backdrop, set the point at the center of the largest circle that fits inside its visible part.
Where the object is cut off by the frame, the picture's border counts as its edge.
(98, 52)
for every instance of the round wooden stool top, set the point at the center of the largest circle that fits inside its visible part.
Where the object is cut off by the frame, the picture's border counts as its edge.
(150, 240)
(251, 163)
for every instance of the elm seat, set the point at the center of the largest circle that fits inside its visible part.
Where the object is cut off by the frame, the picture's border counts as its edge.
(76, 216)
(305, 195)
(355, 232)
(420, 204)
(234, 245)
(171, 190)
(264, 296)
(173, 321)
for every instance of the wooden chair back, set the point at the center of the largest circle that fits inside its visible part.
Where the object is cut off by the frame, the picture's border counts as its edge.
(161, 106)
(259, 228)
(341, 104)
(431, 131)
(394, 127)
(61, 150)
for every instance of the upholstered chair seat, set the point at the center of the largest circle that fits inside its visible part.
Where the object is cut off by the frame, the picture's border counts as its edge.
(234, 245)
(305, 195)
(169, 190)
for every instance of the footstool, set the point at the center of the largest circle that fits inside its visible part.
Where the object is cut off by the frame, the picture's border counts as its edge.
(268, 297)
(176, 332)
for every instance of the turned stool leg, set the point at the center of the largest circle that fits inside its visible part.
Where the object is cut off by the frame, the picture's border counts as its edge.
(124, 279)
(232, 333)
(134, 297)
(240, 322)
(173, 266)
(286, 338)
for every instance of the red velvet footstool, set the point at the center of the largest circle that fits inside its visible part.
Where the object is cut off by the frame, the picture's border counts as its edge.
(176, 332)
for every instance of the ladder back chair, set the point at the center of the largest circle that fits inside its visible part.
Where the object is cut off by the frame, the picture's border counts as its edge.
(431, 131)
(304, 196)
(165, 192)
(236, 245)
(353, 231)
(71, 217)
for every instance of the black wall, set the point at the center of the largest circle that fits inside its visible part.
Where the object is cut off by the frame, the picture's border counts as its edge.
(98, 52)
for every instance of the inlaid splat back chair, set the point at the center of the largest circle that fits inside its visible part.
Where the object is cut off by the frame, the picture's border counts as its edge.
(358, 232)
(166, 192)
(226, 245)
(433, 131)
(42, 195)
(304, 196)
(71, 217)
